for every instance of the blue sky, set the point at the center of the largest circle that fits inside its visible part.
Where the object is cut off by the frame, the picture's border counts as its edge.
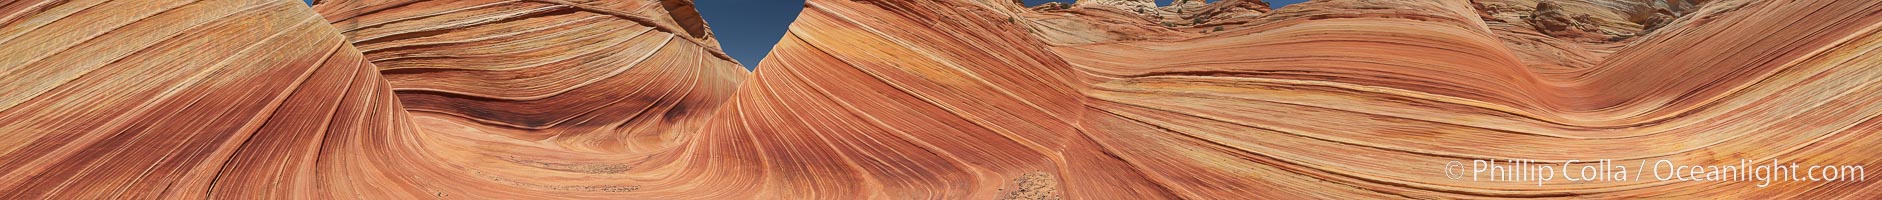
(748, 28)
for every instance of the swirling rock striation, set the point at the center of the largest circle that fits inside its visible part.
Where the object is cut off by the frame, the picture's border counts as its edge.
(602, 75)
(1106, 99)
(193, 100)
(1354, 99)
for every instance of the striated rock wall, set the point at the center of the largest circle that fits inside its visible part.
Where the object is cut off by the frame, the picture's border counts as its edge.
(611, 76)
(196, 100)
(1358, 95)
(553, 99)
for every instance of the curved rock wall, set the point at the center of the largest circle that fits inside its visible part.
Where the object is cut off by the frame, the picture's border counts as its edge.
(553, 99)
(613, 76)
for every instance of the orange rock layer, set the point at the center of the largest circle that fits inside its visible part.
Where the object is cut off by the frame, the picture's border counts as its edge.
(960, 99)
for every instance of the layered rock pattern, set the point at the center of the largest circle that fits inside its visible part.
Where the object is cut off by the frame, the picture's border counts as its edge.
(572, 72)
(885, 100)
(193, 100)
(1396, 90)
(541, 99)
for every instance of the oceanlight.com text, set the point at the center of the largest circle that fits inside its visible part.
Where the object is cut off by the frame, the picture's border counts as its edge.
(1763, 173)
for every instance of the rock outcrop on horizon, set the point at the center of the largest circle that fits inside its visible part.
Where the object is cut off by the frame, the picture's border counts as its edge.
(954, 99)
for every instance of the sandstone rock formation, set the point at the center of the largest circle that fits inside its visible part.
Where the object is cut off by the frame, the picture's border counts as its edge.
(1052, 6)
(957, 99)
(1395, 89)
(574, 71)
(193, 100)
